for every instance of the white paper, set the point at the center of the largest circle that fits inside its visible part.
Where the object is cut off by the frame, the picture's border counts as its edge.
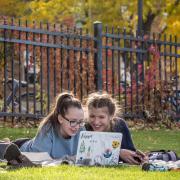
(37, 156)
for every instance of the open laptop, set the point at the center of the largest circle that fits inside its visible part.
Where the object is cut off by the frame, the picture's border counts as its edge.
(98, 148)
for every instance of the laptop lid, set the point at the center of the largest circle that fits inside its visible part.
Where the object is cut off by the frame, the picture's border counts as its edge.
(98, 148)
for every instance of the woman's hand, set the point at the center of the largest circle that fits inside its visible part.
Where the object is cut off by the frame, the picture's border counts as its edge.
(143, 157)
(130, 157)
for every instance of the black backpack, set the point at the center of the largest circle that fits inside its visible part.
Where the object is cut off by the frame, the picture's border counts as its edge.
(163, 155)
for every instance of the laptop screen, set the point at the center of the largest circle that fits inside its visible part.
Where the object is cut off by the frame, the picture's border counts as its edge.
(98, 148)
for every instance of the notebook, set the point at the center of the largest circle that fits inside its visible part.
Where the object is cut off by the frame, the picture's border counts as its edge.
(37, 156)
(98, 148)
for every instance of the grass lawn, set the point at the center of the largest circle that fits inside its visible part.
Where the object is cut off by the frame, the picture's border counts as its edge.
(147, 140)
(72, 172)
(144, 139)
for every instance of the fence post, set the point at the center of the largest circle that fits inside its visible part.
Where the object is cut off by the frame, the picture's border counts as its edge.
(98, 55)
(140, 17)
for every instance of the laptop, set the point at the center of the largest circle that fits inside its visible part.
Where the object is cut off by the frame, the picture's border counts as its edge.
(98, 148)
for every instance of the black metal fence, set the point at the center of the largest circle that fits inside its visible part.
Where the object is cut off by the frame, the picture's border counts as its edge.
(39, 61)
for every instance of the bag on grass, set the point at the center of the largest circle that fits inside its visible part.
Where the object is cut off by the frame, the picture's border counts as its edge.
(163, 155)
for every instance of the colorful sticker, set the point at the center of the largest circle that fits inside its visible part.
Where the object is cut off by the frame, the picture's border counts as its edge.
(82, 147)
(89, 151)
(107, 153)
(98, 160)
(115, 144)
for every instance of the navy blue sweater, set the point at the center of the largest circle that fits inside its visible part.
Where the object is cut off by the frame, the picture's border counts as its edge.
(120, 126)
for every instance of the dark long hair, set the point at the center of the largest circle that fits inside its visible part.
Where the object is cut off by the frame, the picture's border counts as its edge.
(63, 102)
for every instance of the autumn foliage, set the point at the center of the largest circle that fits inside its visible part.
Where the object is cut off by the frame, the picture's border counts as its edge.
(63, 57)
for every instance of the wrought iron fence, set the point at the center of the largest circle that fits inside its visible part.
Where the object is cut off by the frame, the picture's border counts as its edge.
(40, 61)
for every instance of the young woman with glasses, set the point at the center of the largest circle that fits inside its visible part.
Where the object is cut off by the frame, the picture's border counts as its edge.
(58, 133)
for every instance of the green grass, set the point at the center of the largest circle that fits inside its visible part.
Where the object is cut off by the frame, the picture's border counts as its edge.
(147, 140)
(144, 139)
(15, 133)
(72, 172)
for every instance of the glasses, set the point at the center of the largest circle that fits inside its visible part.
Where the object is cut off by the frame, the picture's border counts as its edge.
(74, 123)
